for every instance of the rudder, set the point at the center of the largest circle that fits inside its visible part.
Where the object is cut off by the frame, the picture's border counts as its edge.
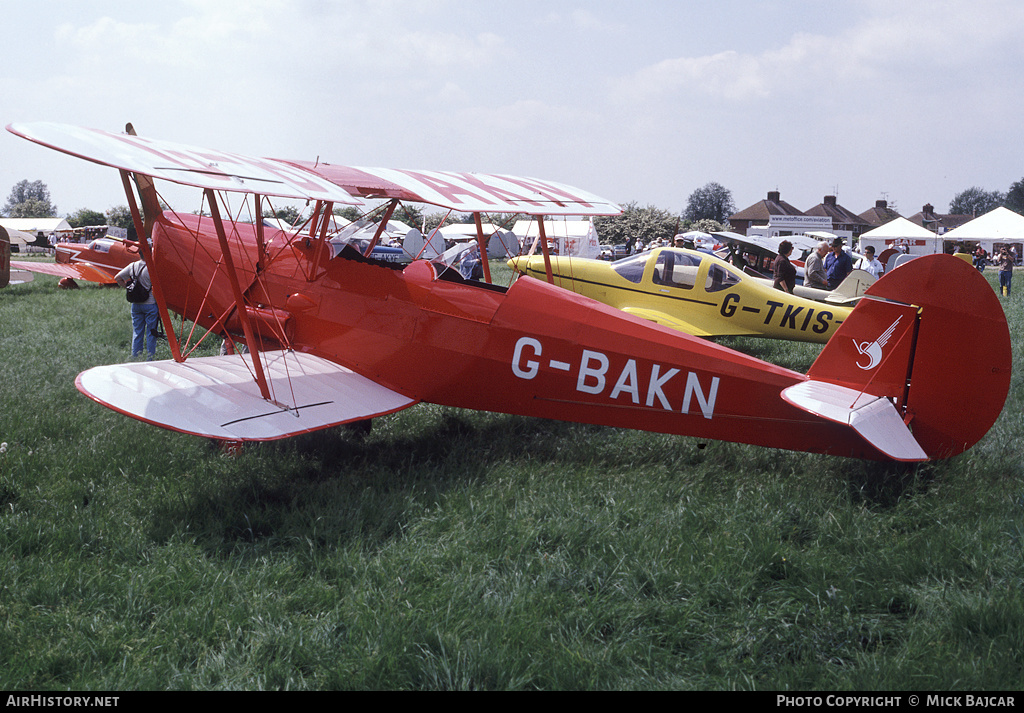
(932, 337)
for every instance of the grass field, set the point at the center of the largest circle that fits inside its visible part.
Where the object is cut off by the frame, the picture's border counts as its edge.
(462, 550)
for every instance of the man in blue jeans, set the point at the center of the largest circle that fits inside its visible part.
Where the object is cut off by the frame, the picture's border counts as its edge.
(145, 315)
(1005, 262)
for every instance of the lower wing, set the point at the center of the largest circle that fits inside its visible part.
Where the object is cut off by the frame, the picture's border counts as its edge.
(76, 271)
(217, 397)
(718, 329)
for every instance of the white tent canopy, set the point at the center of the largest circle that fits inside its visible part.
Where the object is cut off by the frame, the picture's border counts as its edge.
(1001, 225)
(36, 225)
(918, 240)
(19, 238)
(571, 237)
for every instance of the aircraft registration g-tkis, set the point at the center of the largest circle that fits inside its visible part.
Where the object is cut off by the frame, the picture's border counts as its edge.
(693, 292)
(336, 337)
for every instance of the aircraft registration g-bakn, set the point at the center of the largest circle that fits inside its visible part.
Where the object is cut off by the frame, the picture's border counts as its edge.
(691, 291)
(919, 370)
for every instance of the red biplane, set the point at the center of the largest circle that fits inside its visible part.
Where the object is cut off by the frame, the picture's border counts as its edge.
(920, 370)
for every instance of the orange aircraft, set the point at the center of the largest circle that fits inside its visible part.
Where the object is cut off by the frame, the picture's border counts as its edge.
(336, 337)
(96, 261)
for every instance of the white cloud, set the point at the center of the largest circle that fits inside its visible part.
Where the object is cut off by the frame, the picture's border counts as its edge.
(879, 53)
(643, 103)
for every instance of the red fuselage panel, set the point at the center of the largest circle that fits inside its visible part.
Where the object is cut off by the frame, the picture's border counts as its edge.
(535, 350)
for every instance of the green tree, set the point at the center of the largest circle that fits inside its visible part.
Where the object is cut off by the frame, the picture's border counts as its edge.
(120, 216)
(1015, 197)
(30, 199)
(636, 224)
(86, 216)
(707, 226)
(711, 202)
(975, 201)
(289, 214)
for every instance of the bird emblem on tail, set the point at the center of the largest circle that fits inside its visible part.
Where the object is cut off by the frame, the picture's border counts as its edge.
(873, 350)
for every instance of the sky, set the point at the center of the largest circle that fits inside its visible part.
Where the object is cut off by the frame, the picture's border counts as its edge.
(643, 101)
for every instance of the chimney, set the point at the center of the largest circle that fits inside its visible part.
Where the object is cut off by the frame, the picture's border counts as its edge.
(882, 204)
(773, 196)
(830, 200)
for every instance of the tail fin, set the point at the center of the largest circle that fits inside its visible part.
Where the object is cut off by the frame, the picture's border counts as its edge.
(932, 338)
(852, 288)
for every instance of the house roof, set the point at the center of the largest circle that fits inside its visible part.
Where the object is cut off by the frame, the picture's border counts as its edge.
(931, 220)
(772, 205)
(880, 214)
(839, 215)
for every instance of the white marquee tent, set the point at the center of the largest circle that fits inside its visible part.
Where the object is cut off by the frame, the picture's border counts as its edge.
(919, 241)
(571, 237)
(997, 227)
(36, 226)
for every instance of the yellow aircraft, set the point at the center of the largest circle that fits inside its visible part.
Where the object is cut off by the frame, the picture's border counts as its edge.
(692, 291)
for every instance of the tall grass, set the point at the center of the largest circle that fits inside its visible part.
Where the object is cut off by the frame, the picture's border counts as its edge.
(459, 550)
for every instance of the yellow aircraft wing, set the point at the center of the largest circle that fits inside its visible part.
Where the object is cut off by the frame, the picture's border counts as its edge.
(674, 322)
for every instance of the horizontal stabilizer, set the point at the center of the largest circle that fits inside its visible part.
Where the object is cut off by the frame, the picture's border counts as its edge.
(873, 417)
(217, 397)
(852, 288)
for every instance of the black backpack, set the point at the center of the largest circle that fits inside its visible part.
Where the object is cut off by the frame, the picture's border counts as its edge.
(135, 292)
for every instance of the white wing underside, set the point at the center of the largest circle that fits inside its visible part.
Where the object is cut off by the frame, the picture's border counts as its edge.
(873, 417)
(217, 397)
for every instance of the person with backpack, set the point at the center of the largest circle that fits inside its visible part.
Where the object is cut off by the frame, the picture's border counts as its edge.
(145, 315)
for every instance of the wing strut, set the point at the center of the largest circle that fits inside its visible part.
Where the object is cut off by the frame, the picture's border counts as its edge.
(381, 227)
(482, 242)
(544, 249)
(243, 315)
(144, 230)
(322, 221)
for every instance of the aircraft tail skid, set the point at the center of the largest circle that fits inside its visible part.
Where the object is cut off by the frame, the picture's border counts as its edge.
(932, 341)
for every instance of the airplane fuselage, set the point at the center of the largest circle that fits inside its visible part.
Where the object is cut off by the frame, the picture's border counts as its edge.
(533, 349)
(693, 292)
(105, 255)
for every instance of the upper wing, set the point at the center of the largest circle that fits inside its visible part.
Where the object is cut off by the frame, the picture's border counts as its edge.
(77, 271)
(466, 192)
(205, 168)
(717, 329)
(755, 241)
(216, 397)
(188, 165)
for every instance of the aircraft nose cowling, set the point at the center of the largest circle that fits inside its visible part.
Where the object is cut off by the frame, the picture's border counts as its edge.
(527, 264)
(519, 263)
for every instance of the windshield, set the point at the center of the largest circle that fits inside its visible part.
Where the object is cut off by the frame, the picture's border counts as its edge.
(632, 268)
(345, 236)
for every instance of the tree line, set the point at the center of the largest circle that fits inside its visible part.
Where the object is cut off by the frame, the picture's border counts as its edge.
(708, 208)
(977, 201)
